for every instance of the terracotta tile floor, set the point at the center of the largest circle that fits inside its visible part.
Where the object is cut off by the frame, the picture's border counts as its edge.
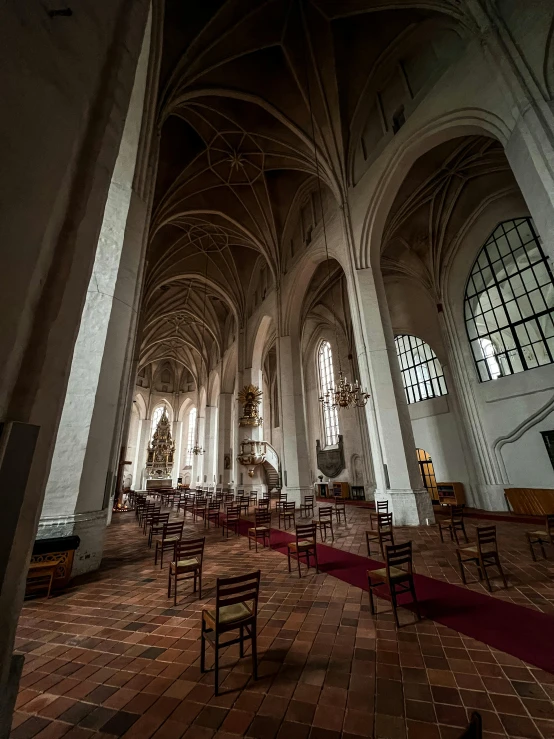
(111, 656)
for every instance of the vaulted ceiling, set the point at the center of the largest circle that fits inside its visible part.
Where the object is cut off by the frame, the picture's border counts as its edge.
(246, 89)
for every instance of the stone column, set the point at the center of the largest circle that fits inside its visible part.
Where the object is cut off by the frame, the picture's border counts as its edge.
(140, 459)
(390, 429)
(295, 463)
(224, 441)
(83, 473)
(198, 459)
(177, 434)
(210, 445)
(250, 376)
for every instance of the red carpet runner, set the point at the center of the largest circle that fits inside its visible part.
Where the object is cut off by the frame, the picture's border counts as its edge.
(516, 630)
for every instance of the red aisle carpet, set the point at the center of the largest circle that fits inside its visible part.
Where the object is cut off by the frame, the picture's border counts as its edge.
(516, 630)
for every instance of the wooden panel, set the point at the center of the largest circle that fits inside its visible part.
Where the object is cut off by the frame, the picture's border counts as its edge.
(451, 493)
(531, 501)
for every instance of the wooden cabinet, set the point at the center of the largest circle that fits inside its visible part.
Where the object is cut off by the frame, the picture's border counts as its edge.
(451, 493)
(341, 489)
(322, 489)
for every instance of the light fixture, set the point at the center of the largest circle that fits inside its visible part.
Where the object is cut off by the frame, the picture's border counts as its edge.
(345, 394)
(197, 449)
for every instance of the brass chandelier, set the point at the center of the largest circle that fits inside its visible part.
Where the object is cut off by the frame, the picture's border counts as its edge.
(344, 394)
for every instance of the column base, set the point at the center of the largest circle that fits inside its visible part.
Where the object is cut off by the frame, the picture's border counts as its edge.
(89, 527)
(408, 507)
(296, 494)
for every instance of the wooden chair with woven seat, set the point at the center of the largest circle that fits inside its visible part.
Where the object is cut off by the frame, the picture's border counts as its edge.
(189, 554)
(305, 544)
(157, 526)
(263, 505)
(171, 534)
(384, 533)
(213, 514)
(200, 509)
(475, 727)
(381, 506)
(541, 537)
(454, 524)
(484, 554)
(280, 500)
(325, 522)
(307, 507)
(243, 502)
(231, 522)
(145, 510)
(261, 529)
(236, 609)
(398, 579)
(340, 508)
(288, 514)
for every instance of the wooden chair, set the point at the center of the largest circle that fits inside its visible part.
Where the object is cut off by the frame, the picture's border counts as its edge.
(541, 537)
(325, 522)
(384, 533)
(200, 508)
(340, 508)
(263, 505)
(261, 529)
(40, 576)
(243, 503)
(157, 526)
(145, 510)
(171, 534)
(236, 609)
(454, 524)
(381, 506)
(306, 544)
(189, 554)
(307, 507)
(151, 513)
(398, 579)
(288, 514)
(475, 727)
(253, 498)
(231, 521)
(280, 500)
(484, 554)
(213, 514)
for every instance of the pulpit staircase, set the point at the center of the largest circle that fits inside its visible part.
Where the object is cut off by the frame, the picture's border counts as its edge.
(272, 467)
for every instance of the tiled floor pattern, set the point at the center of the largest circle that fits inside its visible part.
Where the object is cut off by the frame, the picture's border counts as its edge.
(111, 656)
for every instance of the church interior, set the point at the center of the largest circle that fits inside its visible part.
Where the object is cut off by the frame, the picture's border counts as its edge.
(277, 400)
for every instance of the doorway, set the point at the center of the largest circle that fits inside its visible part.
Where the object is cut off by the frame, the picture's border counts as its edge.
(427, 473)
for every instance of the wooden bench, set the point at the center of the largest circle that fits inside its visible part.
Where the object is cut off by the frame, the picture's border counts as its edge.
(530, 501)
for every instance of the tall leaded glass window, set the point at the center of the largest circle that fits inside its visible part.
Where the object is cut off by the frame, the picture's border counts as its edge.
(422, 374)
(509, 303)
(190, 436)
(327, 382)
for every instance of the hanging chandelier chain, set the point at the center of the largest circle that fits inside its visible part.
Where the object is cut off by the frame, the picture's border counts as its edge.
(197, 449)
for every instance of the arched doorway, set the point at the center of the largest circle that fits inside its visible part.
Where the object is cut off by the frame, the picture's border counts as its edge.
(427, 473)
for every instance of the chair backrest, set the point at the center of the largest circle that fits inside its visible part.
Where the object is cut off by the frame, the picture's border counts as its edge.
(215, 505)
(233, 590)
(282, 496)
(150, 512)
(382, 506)
(263, 517)
(263, 504)
(384, 520)
(326, 513)
(486, 536)
(190, 548)
(289, 507)
(306, 531)
(160, 518)
(456, 512)
(308, 500)
(175, 528)
(475, 727)
(233, 513)
(339, 501)
(398, 555)
(201, 502)
(227, 497)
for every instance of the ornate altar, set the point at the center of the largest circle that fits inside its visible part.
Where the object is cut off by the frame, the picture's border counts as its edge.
(159, 459)
(250, 396)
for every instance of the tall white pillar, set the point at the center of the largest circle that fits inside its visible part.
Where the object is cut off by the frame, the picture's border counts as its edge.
(83, 473)
(295, 463)
(177, 434)
(210, 438)
(198, 459)
(225, 441)
(392, 443)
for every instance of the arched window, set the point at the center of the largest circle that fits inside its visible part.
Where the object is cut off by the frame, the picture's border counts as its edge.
(158, 412)
(190, 436)
(509, 303)
(422, 374)
(327, 382)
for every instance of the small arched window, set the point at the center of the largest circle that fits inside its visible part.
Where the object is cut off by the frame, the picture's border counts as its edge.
(509, 303)
(422, 374)
(326, 383)
(190, 436)
(158, 412)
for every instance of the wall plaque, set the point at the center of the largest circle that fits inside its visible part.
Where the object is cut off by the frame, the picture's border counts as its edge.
(330, 461)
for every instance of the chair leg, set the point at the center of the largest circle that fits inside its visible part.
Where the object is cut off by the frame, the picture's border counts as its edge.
(542, 548)
(392, 590)
(455, 536)
(216, 664)
(371, 603)
(486, 574)
(288, 557)
(464, 530)
(156, 555)
(175, 588)
(414, 598)
(367, 542)
(298, 562)
(332, 534)
(440, 532)
(169, 584)
(316, 560)
(461, 564)
(200, 584)
(503, 576)
(202, 649)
